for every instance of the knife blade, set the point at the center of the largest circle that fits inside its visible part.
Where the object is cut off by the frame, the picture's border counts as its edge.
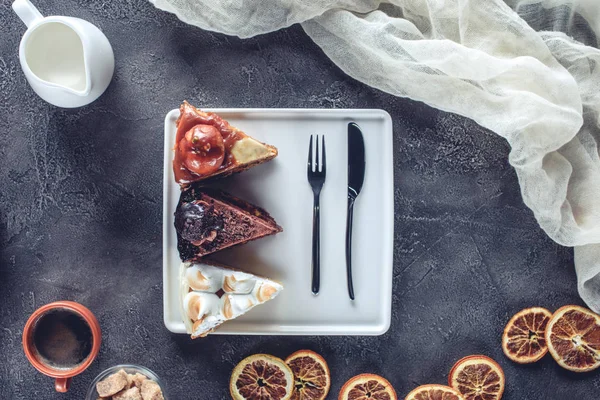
(356, 177)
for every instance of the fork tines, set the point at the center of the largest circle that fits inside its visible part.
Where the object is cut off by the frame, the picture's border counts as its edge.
(318, 167)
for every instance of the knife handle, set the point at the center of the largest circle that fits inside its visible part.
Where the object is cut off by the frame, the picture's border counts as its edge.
(349, 246)
(316, 246)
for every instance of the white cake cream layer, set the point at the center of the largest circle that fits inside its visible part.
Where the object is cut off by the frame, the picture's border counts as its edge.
(248, 150)
(212, 294)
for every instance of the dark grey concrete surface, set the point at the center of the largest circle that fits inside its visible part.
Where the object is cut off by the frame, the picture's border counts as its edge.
(80, 215)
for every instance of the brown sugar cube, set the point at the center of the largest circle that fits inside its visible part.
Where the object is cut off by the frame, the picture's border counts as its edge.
(129, 381)
(138, 379)
(151, 391)
(128, 394)
(112, 384)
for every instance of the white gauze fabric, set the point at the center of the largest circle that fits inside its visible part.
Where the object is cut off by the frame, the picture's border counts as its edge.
(479, 58)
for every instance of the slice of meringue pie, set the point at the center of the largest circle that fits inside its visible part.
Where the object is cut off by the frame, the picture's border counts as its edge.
(212, 294)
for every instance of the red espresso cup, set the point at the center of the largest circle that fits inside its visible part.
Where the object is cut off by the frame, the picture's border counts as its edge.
(56, 342)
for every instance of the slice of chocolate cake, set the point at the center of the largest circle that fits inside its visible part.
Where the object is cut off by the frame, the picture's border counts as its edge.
(209, 220)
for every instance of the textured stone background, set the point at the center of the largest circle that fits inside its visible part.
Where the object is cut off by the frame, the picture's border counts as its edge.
(80, 215)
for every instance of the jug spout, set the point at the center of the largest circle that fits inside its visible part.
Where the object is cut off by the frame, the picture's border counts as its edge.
(82, 89)
(82, 93)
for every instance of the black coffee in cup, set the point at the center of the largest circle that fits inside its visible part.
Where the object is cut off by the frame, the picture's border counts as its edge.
(62, 339)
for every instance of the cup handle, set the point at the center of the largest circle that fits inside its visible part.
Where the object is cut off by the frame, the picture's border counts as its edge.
(62, 384)
(26, 11)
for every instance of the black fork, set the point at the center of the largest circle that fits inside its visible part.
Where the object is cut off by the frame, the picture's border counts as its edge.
(316, 178)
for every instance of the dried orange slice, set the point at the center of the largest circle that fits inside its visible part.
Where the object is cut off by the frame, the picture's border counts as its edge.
(477, 378)
(311, 374)
(524, 338)
(261, 377)
(367, 387)
(434, 392)
(573, 336)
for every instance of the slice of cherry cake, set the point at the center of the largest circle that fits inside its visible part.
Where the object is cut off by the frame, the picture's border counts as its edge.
(207, 146)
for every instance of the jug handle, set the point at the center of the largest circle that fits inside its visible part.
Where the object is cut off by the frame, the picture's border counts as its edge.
(26, 11)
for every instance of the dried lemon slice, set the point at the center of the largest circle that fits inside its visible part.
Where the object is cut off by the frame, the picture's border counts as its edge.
(261, 377)
(573, 336)
(311, 373)
(367, 387)
(477, 377)
(524, 340)
(434, 392)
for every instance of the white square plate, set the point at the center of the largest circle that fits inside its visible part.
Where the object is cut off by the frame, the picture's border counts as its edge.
(281, 187)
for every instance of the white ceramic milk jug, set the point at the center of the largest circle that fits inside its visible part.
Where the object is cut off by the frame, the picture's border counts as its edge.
(67, 61)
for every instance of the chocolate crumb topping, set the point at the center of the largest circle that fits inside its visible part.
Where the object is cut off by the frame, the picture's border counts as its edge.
(197, 221)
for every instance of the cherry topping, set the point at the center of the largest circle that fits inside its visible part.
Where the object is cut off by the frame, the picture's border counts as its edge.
(202, 149)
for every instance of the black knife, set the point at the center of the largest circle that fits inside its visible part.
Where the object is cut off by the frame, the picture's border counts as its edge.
(356, 176)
